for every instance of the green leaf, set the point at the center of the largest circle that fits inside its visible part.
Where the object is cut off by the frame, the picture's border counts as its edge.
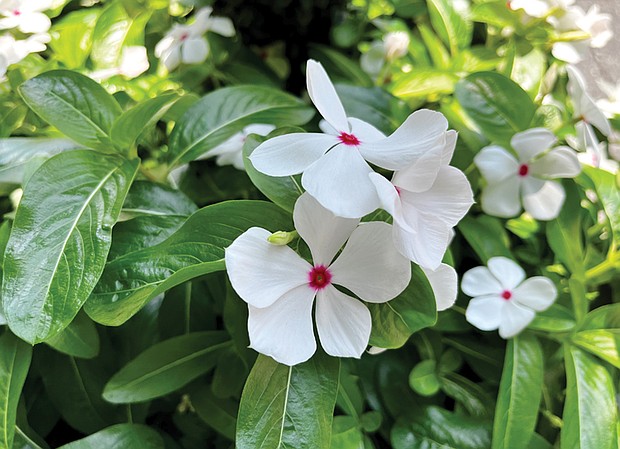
(519, 394)
(149, 198)
(221, 414)
(79, 339)
(496, 104)
(225, 112)
(340, 67)
(166, 367)
(423, 378)
(590, 411)
(60, 239)
(604, 184)
(472, 396)
(120, 436)
(436, 428)
(15, 356)
(603, 343)
(197, 248)
(395, 321)
(564, 233)
(130, 124)
(453, 27)
(486, 235)
(555, 319)
(346, 434)
(288, 407)
(425, 82)
(72, 37)
(75, 104)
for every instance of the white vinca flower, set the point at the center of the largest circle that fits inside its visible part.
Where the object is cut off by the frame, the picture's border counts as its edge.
(187, 44)
(25, 15)
(503, 299)
(134, 62)
(280, 287)
(426, 200)
(527, 178)
(335, 164)
(12, 51)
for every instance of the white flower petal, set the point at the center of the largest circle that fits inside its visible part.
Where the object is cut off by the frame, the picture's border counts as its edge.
(444, 281)
(284, 329)
(592, 114)
(560, 162)
(514, 319)
(496, 164)
(502, 199)
(261, 272)
(450, 146)
(388, 195)
(370, 266)
(528, 144)
(420, 176)
(324, 232)
(506, 271)
(422, 131)
(544, 203)
(324, 96)
(35, 22)
(171, 58)
(194, 50)
(537, 293)
(365, 132)
(485, 312)
(222, 26)
(339, 181)
(424, 241)
(569, 51)
(343, 323)
(479, 281)
(291, 154)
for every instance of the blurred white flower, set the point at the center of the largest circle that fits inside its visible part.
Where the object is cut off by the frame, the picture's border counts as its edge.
(12, 51)
(539, 8)
(394, 45)
(503, 299)
(528, 178)
(187, 43)
(25, 15)
(134, 62)
(610, 105)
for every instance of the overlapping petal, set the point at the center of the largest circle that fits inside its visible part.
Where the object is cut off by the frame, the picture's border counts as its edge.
(479, 281)
(543, 202)
(529, 144)
(537, 293)
(515, 318)
(427, 243)
(502, 199)
(506, 271)
(485, 312)
(560, 162)
(496, 164)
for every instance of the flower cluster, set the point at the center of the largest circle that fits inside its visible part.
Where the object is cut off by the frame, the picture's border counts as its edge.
(25, 17)
(425, 196)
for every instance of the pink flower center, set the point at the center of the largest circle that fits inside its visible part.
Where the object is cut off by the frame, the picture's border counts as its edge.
(506, 294)
(397, 190)
(348, 139)
(319, 277)
(523, 170)
(17, 12)
(183, 37)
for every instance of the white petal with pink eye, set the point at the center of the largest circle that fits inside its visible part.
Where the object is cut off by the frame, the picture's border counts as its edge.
(365, 132)
(420, 176)
(479, 281)
(450, 146)
(194, 50)
(496, 164)
(425, 241)
(422, 131)
(485, 312)
(339, 181)
(560, 162)
(343, 323)
(284, 329)
(515, 318)
(544, 203)
(370, 266)
(261, 272)
(528, 144)
(537, 293)
(502, 199)
(506, 271)
(444, 281)
(324, 96)
(324, 232)
(291, 154)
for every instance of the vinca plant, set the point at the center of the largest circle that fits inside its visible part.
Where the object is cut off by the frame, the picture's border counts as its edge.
(362, 224)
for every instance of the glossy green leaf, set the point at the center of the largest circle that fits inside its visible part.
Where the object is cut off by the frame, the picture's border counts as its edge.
(435, 428)
(225, 112)
(395, 321)
(590, 411)
(72, 37)
(120, 436)
(166, 367)
(519, 394)
(472, 396)
(423, 378)
(60, 239)
(15, 356)
(603, 343)
(149, 198)
(425, 82)
(78, 339)
(486, 235)
(496, 104)
(196, 249)
(555, 319)
(288, 407)
(75, 104)
(564, 233)
(221, 414)
(346, 434)
(453, 26)
(608, 194)
(340, 67)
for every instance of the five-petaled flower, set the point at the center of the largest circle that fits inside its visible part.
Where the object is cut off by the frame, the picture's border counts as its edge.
(279, 286)
(527, 178)
(335, 164)
(25, 15)
(503, 299)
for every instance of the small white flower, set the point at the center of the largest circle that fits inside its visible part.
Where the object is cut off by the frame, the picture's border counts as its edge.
(426, 200)
(335, 165)
(187, 44)
(25, 15)
(395, 44)
(279, 286)
(444, 282)
(12, 51)
(134, 62)
(526, 179)
(503, 299)
(610, 105)
(592, 152)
